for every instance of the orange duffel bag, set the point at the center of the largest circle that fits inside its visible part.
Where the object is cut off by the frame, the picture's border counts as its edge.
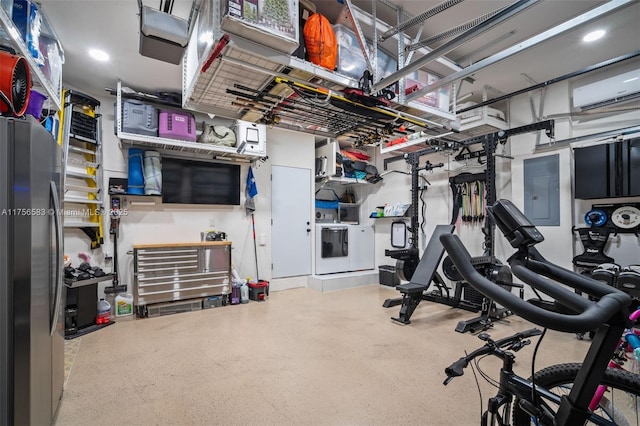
(320, 41)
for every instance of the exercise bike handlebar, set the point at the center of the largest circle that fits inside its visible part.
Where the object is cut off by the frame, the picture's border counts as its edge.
(457, 368)
(538, 264)
(590, 315)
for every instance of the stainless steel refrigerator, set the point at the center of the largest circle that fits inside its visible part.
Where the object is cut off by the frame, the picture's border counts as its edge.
(31, 271)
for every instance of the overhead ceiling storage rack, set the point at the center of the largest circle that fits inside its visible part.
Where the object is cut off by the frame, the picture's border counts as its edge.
(235, 74)
(46, 78)
(229, 75)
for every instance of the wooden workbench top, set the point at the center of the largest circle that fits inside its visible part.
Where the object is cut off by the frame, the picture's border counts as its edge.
(193, 244)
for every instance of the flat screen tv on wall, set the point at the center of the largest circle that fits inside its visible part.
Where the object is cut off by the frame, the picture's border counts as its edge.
(199, 182)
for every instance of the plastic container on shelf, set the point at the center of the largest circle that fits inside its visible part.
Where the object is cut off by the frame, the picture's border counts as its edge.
(351, 61)
(104, 312)
(36, 101)
(421, 78)
(52, 57)
(27, 18)
(124, 305)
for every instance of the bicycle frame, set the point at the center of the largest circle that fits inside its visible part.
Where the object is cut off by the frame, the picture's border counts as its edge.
(512, 385)
(600, 391)
(516, 386)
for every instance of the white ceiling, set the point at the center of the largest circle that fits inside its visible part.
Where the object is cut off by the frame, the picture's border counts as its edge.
(113, 26)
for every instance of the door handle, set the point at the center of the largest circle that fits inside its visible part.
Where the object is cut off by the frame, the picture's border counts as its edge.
(308, 229)
(58, 259)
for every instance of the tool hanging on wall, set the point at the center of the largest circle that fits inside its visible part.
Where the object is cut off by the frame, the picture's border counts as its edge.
(114, 230)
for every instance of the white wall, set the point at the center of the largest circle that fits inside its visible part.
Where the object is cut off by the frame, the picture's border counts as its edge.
(557, 244)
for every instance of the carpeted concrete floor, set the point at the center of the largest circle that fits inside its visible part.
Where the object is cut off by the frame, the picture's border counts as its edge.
(300, 358)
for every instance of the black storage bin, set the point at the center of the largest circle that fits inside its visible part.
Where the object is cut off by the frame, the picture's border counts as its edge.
(388, 275)
(81, 307)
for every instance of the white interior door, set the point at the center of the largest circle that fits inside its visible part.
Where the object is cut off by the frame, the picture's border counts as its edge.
(291, 216)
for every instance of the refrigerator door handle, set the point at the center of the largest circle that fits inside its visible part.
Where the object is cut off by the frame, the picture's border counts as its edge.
(59, 259)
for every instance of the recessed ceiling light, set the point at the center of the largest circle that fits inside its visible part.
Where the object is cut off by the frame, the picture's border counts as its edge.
(207, 37)
(594, 35)
(99, 55)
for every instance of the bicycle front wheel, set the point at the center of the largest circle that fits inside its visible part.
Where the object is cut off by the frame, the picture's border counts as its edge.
(620, 403)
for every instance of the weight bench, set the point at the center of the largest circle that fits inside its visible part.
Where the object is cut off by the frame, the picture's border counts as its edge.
(412, 292)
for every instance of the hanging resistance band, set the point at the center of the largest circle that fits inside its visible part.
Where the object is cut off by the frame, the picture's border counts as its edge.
(469, 192)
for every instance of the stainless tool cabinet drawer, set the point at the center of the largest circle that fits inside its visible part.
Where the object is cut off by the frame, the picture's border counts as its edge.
(168, 273)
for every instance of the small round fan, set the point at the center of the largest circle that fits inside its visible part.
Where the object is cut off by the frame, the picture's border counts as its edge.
(15, 84)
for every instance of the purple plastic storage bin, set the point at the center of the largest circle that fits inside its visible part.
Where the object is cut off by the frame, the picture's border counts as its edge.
(177, 125)
(36, 100)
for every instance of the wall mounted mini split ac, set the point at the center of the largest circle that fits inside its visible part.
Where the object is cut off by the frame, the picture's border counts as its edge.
(610, 90)
(162, 36)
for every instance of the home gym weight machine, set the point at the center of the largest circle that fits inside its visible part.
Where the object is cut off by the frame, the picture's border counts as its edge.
(421, 272)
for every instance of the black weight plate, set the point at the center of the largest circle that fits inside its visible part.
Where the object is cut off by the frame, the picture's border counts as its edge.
(406, 268)
(450, 271)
